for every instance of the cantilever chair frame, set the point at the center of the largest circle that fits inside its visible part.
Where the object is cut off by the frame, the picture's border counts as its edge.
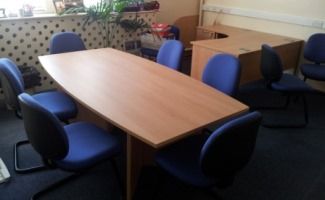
(13, 85)
(271, 68)
(54, 147)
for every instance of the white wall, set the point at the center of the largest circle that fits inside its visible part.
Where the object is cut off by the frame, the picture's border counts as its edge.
(314, 9)
(171, 10)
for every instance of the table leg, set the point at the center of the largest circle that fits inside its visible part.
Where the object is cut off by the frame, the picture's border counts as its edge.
(138, 155)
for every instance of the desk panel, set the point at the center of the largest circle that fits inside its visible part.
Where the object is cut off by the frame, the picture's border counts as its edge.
(246, 45)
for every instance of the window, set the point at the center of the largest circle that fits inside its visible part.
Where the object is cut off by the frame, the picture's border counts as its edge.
(39, 6)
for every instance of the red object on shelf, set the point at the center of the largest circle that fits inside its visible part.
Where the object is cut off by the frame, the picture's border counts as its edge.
(161, 29)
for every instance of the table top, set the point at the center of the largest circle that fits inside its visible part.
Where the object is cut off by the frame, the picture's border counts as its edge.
(147, 100)
(241, 41)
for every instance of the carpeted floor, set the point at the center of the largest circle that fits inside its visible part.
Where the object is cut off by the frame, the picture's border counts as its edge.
(288, 164)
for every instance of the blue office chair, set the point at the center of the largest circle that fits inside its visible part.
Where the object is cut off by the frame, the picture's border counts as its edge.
(57, 102)
(66, 42)
(290, 85)
(75, 147)
(223, 73)
(152, 53)
(170, 54)
(314, 51)
(205, 161)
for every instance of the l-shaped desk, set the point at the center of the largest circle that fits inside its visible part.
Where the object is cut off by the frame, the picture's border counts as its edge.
(244, 44)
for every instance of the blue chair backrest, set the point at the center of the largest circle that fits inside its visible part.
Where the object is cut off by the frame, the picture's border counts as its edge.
(223, 73)
(271, 64)
(170, 54)
(66, 42)
(314, 49)
(175, 30)
(11, 81)
(229, 148)
(44, 130)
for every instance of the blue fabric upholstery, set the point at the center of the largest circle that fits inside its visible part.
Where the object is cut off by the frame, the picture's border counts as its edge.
(88, 145)
(223, 73)
(11, 81)
(170, 54)
(43, 129)
(290, 84)
(313, 71)
(57, 102)
(314, 51)
(204, 161)
(152, 53)
(271, 64)
(73, 147)
(271, 67)
(66, 42)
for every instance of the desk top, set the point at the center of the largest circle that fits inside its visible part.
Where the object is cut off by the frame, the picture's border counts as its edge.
(241, 41)
(149, 101)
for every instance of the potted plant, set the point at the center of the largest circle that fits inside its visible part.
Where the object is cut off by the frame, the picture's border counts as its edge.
(108, 14)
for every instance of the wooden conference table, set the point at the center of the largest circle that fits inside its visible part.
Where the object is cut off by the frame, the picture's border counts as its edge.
(244, 44)
(154, 105)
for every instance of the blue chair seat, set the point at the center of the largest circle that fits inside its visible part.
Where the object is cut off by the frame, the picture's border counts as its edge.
(290, 84)
(313, 71)
(206, 160)
(58, 103)
(97, 145)
(75, 147)
(182, 161)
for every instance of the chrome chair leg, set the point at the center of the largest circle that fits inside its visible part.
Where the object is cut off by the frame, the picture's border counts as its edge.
(16, 158)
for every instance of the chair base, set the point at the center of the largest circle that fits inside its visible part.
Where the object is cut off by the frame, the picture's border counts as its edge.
(304, 124)
(74, 176)
(266, 125)
(28, 169)
(210, 191)
(54, 186)
(214, 194)
(282, 107)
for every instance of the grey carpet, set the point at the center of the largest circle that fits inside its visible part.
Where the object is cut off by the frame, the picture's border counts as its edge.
(288, 164)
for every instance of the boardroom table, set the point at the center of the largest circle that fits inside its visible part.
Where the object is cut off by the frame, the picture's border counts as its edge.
(246, 45)
(153, 104)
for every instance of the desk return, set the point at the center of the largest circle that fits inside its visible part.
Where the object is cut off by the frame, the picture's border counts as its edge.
(244, 44)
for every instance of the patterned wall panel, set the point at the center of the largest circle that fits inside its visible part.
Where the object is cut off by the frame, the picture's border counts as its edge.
(23, 40)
